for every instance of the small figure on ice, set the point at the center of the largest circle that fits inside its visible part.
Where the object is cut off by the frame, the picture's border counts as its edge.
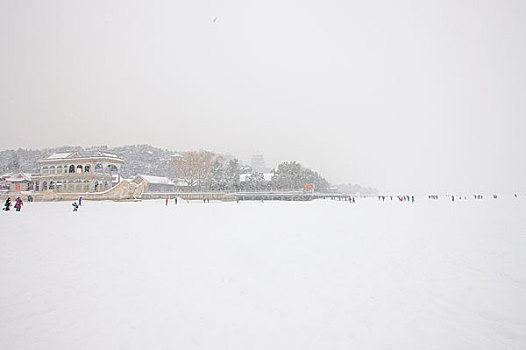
(7, 204)
(75, 206)
(18, 204)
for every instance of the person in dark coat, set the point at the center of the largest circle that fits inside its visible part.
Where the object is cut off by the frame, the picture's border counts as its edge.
(7, 204)
(75, 206)
(18, 204)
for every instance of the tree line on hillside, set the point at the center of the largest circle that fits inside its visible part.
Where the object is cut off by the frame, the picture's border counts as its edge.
(201, 170)
(205, 170)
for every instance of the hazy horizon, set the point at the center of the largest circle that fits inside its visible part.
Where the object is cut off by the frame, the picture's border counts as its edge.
(401, 96)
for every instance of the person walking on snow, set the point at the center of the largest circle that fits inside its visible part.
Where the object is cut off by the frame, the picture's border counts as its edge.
(18, 204)
(7, 204)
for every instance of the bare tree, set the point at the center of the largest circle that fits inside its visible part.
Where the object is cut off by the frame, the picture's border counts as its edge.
(193, 167)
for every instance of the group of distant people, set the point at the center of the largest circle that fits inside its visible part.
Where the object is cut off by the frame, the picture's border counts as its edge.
(475, 196)
(205, 200)
(175, 201)
(402, 198)
(18, 204)
(459, 197)
(406, 198)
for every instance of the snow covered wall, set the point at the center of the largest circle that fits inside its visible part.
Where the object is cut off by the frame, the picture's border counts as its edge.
(273, 275)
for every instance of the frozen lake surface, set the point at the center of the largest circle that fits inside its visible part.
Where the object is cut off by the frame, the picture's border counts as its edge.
(273, 275)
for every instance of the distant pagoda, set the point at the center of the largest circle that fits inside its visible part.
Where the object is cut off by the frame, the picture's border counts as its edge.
(258, 163)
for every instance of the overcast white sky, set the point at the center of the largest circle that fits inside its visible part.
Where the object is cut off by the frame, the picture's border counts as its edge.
(401, 95)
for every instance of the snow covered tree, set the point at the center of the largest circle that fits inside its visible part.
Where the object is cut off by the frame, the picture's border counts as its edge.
(288, 176)
(312, 177)
(232, 175)
(255, 182)
(217, 181)
(14, 162)
(194, 167)
(224, 176)
(292, 176)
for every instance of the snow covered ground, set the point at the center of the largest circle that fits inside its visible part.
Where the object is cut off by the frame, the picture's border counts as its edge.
(273, 275)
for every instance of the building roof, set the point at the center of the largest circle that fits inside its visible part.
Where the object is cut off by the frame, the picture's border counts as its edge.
(61, 155)
(80, 155)
(19, 177)
(156, 179)
(180, 183)
(111, 155)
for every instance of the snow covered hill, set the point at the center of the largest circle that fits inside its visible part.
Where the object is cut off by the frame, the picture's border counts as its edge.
(273, 275)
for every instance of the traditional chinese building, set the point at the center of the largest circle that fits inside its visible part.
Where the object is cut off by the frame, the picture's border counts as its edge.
(17, 182)
(78, 173)
(155, 183)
